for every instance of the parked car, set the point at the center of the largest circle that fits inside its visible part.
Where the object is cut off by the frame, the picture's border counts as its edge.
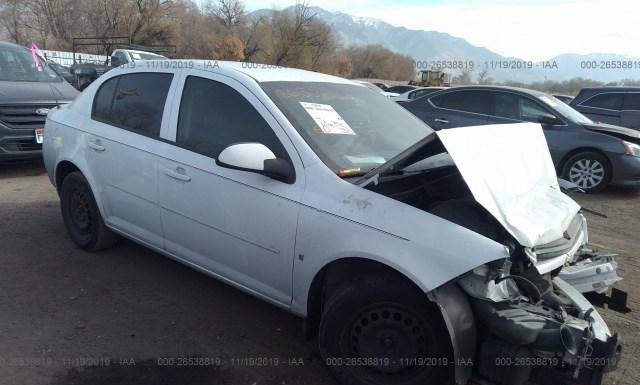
(401, 89)
(26, 96)
(404, 249)
(566, 99)
(613, 105)
(382, 86)
(588, 154)
(62, 71)
(125, 56)
(376, 89)
(417, 93)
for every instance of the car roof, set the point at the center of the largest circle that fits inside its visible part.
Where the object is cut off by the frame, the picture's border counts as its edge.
(5, 44)
(138, 51)
(263, 72)
(616, 88)
(497, 88)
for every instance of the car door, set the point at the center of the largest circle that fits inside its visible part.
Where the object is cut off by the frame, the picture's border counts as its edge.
(122, 148)
(458, 108)
(510, 107)
(235, 224)
(605, 107)
(631, 111)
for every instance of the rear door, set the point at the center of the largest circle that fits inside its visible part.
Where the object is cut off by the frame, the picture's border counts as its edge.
(605, 107)
(122, 150)
(459, 108)
(631, 111)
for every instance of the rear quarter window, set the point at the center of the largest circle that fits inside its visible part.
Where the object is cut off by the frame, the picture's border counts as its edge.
(632, 102)
(133, 102)
(608, 101)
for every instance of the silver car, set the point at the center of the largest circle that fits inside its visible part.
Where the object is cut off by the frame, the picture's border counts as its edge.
(415, 257)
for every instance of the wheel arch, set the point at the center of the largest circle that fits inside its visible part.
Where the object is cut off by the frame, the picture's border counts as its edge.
(448, 301)
(568, 155)
(66, 166)
(336, 272)
(63, 169)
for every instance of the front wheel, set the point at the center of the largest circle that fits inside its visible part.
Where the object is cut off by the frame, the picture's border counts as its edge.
(590, 171)
(81, 215)
(382, 330)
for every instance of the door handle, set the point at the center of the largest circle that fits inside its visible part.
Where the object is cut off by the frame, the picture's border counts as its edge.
(178, 173)
(441, 120)
(96, 145)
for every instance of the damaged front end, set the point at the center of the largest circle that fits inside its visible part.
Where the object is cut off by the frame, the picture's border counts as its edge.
(523, 319)
(524, 327)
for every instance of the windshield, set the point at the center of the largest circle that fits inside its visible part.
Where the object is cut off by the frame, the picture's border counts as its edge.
(352, 128)
(17, 65)
(565, 110)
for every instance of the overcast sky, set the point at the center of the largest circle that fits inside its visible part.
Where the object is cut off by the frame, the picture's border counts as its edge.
(532, 30)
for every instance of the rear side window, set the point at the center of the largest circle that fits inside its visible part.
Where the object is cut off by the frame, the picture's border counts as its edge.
(478, 102)
(608, 101)
(134, 102)
(632, 101)
(214, 116)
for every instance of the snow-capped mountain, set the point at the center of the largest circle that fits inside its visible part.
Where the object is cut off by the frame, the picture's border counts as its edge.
(427, 46)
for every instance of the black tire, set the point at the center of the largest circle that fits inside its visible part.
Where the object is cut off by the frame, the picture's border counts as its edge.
(81, 215)
(585, 169)
(386, 319)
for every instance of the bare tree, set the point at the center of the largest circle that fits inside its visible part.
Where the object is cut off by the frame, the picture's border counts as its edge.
(230, 14)
(484, 78)
(12, 19)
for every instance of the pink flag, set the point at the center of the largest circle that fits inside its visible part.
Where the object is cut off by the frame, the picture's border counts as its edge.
(38, 57)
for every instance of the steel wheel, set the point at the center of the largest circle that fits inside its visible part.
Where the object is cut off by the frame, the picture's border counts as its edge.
(389, 332)
(81, 215)
(382, 330)
(80, 212)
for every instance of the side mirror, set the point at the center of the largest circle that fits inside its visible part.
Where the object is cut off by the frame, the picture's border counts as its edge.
(548, 119)
(256, 157)
(115, 62)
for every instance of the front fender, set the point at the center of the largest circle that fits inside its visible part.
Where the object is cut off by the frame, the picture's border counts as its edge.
(445, 252)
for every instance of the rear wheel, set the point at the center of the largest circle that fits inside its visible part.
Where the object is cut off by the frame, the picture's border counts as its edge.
(384, 331)
(590, 171)
(81, 215)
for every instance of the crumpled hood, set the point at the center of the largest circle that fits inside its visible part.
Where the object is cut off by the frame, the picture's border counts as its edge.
(509, 171)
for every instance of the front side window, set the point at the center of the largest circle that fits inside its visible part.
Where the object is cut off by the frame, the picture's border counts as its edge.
(214, 116)
(351, 129)
(517, 107)
(632, 102)
(134, 102)
(608, 101)
(478, 102)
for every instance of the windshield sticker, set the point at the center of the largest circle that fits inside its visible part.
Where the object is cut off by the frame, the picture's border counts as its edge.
(327, 119)
(136, 56)
(548, 101)
(365, 159)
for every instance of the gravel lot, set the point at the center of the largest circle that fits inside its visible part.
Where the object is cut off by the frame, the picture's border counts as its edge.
(70, 317)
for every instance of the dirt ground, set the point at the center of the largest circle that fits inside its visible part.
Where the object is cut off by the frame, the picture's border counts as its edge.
(131, 316)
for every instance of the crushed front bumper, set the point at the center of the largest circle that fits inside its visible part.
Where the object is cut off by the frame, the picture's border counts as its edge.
(591, 272)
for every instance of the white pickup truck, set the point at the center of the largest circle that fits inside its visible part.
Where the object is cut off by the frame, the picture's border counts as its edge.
(124, 56)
